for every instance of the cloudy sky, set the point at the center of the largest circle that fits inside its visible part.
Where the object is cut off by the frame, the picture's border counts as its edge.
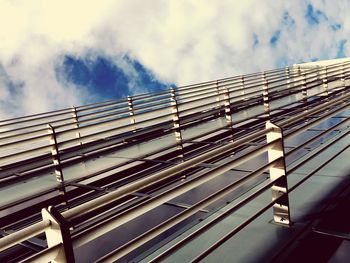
(58, 53)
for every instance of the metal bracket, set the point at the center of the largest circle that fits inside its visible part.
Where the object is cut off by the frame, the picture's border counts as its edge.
(176, 122)
(281, 212)
(58, 233)
(76, 123)
(56, 160)
(265, 94)
(131, 113)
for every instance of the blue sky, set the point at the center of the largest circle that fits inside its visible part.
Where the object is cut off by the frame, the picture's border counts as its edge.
(104, 79)
(56, 54)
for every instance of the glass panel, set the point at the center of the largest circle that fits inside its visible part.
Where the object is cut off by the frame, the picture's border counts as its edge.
(247, 113)
(36, 184)
(204, 127)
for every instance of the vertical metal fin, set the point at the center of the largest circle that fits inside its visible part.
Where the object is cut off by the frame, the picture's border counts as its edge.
(281, 209)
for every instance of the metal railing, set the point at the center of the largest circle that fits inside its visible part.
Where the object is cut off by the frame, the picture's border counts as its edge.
(59, 138)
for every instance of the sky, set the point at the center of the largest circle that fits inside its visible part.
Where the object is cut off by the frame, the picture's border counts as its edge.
(55, 54)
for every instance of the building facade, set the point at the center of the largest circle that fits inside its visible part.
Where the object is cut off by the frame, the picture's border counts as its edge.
(238, 169)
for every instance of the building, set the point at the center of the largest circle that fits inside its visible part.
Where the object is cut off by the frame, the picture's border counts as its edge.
(241, 169)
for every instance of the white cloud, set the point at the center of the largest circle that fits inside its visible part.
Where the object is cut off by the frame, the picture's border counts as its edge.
(180, 41)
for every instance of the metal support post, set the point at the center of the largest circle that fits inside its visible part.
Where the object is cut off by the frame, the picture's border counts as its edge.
(56, 161)
(176, 121)
(343, 75)
(281, 212)
(227, 104)
(299, 70)
(131, 112)
(287, 73)
(76, 123)
(218, 99)
(324, 77)
(242, 86)
(57, 234)
(304, 88)
(265, 94)
(228, 112)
